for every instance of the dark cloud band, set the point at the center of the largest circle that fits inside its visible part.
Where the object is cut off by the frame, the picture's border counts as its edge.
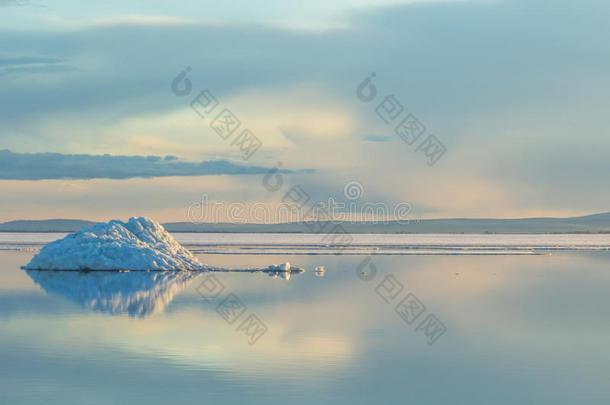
(44, 166)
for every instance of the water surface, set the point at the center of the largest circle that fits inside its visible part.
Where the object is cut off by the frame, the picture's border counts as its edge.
(518, 329)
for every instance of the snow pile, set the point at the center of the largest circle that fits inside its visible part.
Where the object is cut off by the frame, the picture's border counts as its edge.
(138, 294)
(138, 244)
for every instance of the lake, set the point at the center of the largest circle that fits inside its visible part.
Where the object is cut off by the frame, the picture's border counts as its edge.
(441, 319)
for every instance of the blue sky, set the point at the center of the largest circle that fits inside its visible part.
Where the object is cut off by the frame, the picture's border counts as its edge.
(516, 91)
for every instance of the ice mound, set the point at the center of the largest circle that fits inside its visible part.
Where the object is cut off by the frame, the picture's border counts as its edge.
(138, 244)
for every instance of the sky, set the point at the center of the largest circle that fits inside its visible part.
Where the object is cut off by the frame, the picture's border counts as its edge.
(97, 123)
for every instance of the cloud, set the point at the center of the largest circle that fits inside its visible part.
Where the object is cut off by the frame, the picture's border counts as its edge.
(36, 69)
(26, 60)
(33, 64)
(317, 15)
(521, 111)
(377, 138)
(141, 20)
(9, 3)
(44, 166)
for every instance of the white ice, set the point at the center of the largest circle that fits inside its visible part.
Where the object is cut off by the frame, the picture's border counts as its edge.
(138, 244)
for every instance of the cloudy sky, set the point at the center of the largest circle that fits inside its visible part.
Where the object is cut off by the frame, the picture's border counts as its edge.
(515, 90)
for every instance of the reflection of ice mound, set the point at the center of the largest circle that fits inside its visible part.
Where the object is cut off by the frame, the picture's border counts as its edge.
(138, 294)
(139, 244)
(279, 274)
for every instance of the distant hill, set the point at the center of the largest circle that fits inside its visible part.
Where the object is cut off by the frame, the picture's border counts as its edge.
(48, 225)
(597, 223)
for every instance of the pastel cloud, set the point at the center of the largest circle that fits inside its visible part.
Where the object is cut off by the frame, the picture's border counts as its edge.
(522, 112)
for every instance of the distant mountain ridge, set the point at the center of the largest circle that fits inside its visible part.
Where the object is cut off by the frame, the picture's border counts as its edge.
(45, 225)
(596, 223)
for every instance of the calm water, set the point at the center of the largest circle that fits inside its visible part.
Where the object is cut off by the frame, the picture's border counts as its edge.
(519, 329)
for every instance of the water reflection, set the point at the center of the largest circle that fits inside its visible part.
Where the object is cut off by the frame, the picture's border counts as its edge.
(538, 323)
(138, 293)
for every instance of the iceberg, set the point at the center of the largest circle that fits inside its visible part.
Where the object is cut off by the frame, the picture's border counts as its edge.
(138, 244)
